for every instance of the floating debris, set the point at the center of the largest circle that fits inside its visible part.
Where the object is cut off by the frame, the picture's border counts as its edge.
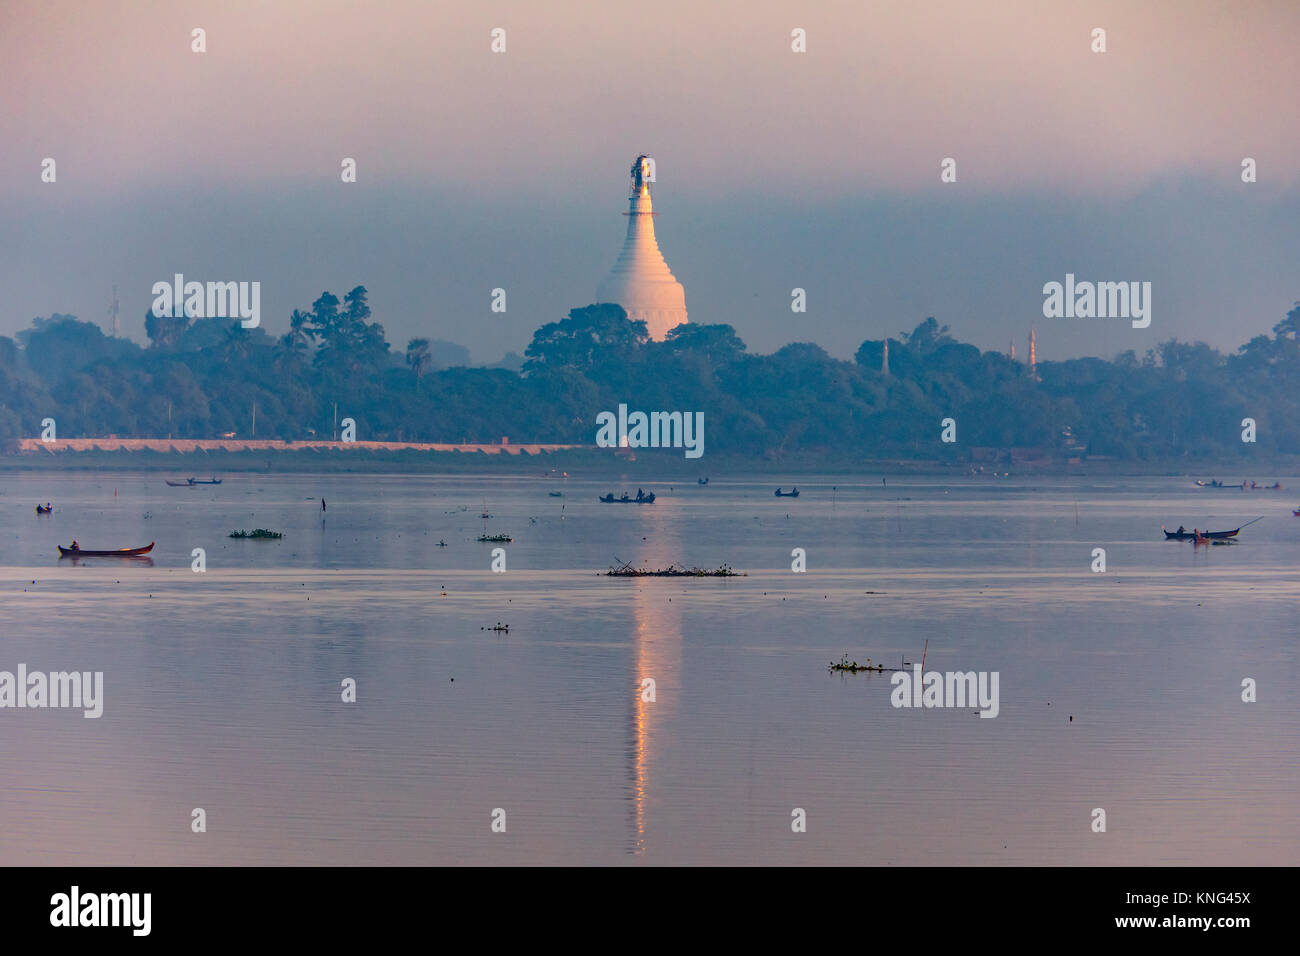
(672, 571)
(844, 664)
(261, 533)
(499, 627)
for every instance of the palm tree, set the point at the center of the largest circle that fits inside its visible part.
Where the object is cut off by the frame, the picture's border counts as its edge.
(418, 357)
(301, 335)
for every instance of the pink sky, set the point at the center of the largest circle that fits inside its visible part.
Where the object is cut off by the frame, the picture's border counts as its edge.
(1011, 89)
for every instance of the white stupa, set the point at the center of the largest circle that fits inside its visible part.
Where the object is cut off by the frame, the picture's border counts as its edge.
(641, 281)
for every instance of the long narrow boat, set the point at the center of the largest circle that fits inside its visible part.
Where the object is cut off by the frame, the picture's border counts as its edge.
(120, 553)
(609, 499)
(786, 494)
(205, 481)
(1189, 535)
(183, 483)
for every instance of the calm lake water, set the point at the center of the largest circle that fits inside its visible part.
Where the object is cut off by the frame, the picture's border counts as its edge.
(222, 690)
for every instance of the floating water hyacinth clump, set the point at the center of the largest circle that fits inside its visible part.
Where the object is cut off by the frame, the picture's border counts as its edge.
(260, 533)
(844, 664)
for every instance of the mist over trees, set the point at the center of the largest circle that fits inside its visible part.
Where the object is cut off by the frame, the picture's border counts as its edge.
(201, 379)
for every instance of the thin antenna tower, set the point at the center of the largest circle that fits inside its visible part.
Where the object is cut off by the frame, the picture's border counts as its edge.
(115, 326)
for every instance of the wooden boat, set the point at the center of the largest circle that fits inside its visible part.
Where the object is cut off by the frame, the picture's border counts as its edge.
(183, 483)
(629, 500)
(41, 510)
(1189, 535)
(702, 481)
(205, 481)
(120, 553)
(793, 493)
(556, 494)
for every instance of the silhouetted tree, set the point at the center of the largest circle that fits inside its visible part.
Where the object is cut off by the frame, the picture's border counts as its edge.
(417, 356)
(575, 342)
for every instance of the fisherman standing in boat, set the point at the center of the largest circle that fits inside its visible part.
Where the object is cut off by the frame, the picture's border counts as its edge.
(75, 546)
(1182, 530)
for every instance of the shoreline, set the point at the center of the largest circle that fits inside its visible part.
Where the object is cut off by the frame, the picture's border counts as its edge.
(183, 458)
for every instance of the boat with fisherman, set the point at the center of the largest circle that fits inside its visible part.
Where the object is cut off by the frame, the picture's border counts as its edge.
(642, 498)
(1182, 534)
(76, 551)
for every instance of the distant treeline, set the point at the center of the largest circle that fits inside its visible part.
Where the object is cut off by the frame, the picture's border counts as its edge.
(202, 379)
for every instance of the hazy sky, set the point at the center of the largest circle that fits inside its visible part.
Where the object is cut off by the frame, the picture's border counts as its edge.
(774, 169)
